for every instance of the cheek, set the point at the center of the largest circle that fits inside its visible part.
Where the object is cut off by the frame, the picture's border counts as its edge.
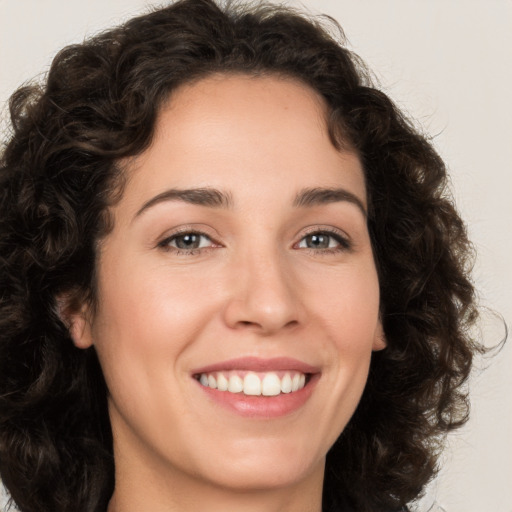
(141, 299)
(348, 305)
(348, 311)
(148, 317)
(145, 323)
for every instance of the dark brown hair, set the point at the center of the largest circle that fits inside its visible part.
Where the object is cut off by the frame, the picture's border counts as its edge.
(59, 173)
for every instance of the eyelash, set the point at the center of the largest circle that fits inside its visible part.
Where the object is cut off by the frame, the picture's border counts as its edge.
(343, 242)
(165, 244)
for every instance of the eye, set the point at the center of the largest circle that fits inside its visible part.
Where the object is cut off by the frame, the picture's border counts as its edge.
(323, 240)
(188, 241)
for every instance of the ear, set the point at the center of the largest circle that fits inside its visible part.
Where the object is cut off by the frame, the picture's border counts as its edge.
(379, 340)
(77, 321)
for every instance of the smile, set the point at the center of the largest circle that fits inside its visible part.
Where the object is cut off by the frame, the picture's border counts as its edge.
(258, 388)
(254, 383)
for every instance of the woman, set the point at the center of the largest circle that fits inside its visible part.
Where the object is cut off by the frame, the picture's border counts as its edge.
(231, 276)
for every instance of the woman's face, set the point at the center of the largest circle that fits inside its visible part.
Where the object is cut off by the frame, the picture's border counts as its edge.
(240, 259)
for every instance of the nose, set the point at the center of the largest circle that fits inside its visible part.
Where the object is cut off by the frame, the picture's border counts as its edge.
(264, 295)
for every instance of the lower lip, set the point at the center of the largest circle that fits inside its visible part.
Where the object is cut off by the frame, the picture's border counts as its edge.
(262, 406)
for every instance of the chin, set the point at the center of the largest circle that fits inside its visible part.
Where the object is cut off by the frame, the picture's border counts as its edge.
(263, 478)
(265, 468)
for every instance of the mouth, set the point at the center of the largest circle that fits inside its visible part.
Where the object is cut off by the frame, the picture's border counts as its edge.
(258, 387)
(251, 383)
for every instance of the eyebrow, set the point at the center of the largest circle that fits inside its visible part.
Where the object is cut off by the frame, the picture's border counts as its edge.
(210, 197)
(214, 198)
(309, 197)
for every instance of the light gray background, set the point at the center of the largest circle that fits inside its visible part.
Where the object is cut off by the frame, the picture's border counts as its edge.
(447, 63)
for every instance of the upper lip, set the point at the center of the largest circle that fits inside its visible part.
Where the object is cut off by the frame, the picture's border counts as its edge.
(256, 364)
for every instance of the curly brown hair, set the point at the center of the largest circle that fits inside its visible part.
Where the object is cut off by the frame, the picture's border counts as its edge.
(59, 175)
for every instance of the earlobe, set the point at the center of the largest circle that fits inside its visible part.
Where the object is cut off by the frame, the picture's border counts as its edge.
(379, 341)
(77, 323)
(80, 331)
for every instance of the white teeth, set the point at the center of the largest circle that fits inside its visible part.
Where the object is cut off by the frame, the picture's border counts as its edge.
(254, 384)
(236, 384)
(286, 384)
(212, 382)
(295, 382)
(270, 385)
(222, 382)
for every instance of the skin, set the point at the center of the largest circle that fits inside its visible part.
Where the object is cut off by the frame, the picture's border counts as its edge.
(256, 286)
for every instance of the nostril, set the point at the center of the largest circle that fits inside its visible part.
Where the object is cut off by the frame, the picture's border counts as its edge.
(256, 325)
(251, 312)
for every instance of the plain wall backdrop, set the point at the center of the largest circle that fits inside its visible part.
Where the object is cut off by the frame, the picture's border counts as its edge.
(448, 64)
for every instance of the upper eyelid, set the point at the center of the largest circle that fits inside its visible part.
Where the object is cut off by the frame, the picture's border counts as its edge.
(188, 229)
(198, 233)
(329, 230)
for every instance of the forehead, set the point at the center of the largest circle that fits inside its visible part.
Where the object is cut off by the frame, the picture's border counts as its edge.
(239, 93)
(235, 131)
